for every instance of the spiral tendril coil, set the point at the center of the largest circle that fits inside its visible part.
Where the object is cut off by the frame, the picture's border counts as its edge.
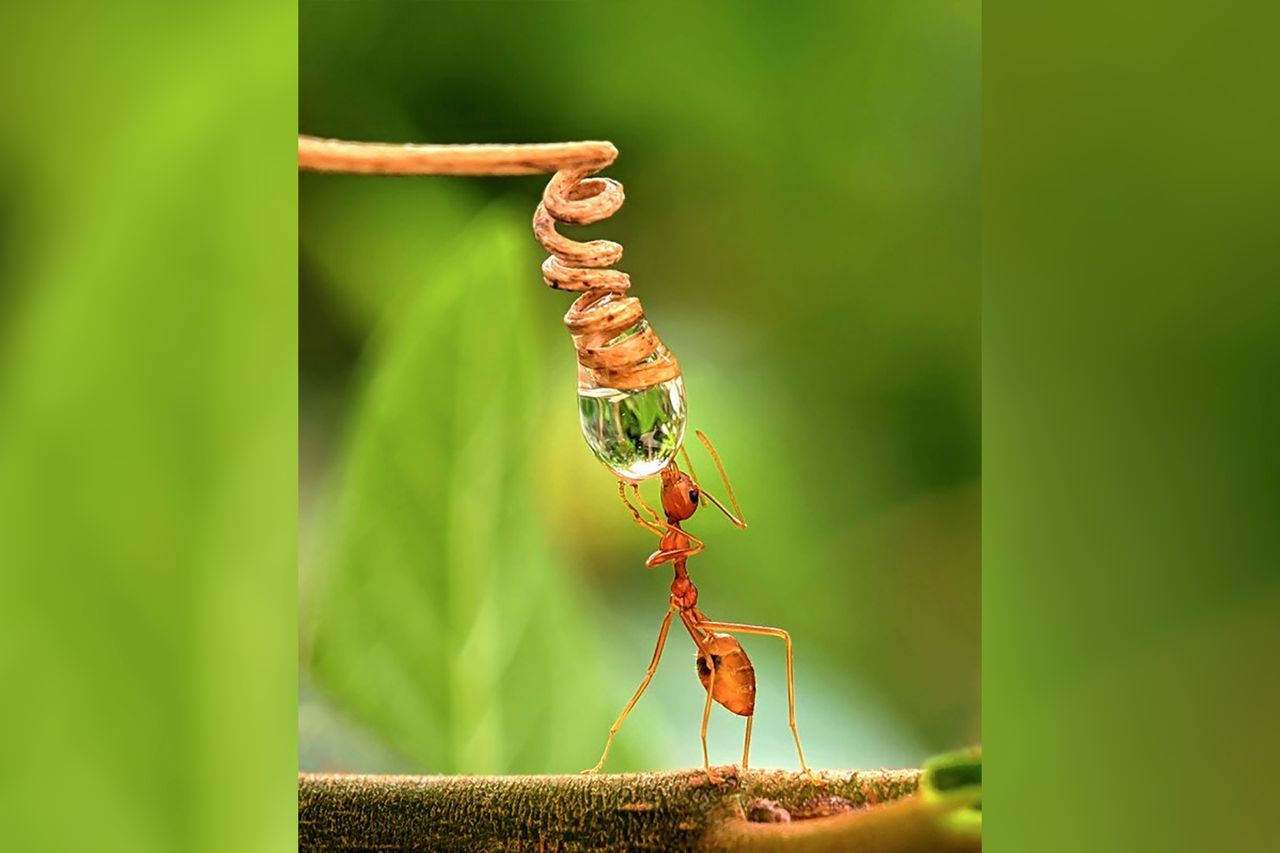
(616, 346)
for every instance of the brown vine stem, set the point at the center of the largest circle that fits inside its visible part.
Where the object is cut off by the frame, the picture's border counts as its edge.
(384, 158)
(617, 347)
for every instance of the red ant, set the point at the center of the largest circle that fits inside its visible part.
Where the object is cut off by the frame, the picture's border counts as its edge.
(723, 666)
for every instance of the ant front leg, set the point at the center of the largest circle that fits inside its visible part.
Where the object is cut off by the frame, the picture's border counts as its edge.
(653, 667)
(657, 519)
(656, 529)
(733, 627)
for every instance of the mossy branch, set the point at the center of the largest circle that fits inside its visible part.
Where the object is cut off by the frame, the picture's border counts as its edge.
(870, 811)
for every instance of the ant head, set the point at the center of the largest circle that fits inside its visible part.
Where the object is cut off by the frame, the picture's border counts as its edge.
(680, 494)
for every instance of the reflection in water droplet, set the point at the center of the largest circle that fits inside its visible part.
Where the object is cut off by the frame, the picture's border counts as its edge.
(636, 433)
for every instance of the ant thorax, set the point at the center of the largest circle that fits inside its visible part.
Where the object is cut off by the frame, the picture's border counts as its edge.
(684, 594)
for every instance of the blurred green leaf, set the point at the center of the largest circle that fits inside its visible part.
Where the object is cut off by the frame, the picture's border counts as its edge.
(360, 234)
(441, 608)
(953, 783)
(147, 419)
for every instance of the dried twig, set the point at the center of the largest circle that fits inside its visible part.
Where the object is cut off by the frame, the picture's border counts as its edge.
(384, 158)
(616, 346)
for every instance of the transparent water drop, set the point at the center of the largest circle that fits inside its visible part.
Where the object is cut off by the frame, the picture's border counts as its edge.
(635, 433)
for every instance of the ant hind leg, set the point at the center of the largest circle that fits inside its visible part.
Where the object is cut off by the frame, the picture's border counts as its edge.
(733, 627)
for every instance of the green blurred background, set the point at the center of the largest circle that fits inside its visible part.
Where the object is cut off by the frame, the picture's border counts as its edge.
(803, 228)
(148, 411)
(1131, 591)
(148, 364)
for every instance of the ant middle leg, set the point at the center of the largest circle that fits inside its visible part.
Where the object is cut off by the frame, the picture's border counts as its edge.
(706, 717)
(653, 667)
(657, 558)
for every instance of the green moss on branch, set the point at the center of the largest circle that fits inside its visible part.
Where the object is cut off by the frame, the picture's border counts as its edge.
(756, 810)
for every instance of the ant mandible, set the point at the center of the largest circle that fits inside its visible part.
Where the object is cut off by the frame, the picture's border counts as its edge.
(723, 666)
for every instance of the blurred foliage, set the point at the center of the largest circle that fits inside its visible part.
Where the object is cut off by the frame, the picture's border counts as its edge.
(803, 229)
(952, 784)
(147, 417)
(1131, 596)
(451, 664)
(824, 303)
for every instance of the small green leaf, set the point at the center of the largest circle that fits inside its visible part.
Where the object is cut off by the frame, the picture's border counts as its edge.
(953, 782)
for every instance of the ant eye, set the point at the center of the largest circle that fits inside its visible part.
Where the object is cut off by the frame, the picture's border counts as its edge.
(693, 496)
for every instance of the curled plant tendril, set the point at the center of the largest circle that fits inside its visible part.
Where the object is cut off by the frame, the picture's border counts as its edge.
(617, 348)
(615, 344)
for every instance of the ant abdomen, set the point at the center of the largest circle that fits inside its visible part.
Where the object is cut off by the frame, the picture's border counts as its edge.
(735, 683)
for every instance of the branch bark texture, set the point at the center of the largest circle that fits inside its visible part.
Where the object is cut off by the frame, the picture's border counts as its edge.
(681, 810)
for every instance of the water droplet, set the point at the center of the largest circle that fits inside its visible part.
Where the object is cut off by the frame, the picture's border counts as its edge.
(636, 433)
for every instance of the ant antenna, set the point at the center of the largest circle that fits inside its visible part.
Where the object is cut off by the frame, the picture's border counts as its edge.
(688, 463)
(736, 515)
